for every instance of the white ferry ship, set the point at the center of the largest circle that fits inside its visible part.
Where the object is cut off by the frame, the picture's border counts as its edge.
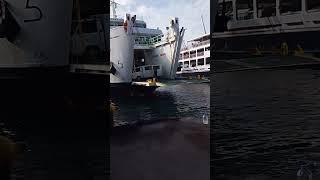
(246, 25)
(156, 53)
(194, 58)
(136, 52)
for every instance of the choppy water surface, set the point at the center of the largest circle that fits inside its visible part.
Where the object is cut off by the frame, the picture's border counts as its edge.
(183, 100)
(176, 146)
(265, 122)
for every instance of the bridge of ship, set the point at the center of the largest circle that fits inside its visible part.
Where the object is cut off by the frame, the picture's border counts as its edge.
(148, 42)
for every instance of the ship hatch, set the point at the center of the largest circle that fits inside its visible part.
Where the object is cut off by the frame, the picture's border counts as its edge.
(139, 58)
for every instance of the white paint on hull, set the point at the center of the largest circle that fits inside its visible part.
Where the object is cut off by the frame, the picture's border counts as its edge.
(121, 53)
(167, 53)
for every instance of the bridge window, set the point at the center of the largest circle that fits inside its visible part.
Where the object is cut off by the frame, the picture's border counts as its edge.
(226, 9)
(244, 9)
(147, 68)
(288, 6)
(200, 62)
(138, 69)
(193, 63)
(180, 64)
(313, 4)
(266, 8)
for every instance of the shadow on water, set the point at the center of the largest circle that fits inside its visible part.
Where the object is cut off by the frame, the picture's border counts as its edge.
(174, 146)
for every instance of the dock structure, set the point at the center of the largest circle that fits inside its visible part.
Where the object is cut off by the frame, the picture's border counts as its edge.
(263, 63)
(97, 69)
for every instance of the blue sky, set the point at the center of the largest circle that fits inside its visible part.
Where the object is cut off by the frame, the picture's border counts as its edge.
(157, 13)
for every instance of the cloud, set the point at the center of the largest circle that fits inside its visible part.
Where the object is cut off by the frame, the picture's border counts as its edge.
(158, 13)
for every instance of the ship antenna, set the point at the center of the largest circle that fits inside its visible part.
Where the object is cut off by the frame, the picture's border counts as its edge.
(114, 6)
(204, 27)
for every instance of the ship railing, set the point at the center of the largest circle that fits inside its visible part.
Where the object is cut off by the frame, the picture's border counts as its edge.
(150, 40)
(194, 45)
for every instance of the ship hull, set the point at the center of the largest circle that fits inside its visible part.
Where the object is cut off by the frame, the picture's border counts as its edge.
(121, 56)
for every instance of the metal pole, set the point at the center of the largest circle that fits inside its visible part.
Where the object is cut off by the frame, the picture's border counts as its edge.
(277, 8)
(204, 27)
(234, 10)
(255, 11)
(79, 16)
(303, 6)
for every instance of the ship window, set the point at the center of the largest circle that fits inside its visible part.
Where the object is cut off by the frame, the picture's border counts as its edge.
(89, 26)
(200, 52)
(193, 54)
(193, 63)
(137, 69)
(186, 64)
(266, 8)
(156, 67)
(208, 48)
(200, 62)
(226, 9)
(147, 68)
(186, 55)
(313, 4)
(180, 64)
(208, 60)
(244, 9)
(288, 6)
(180, 56)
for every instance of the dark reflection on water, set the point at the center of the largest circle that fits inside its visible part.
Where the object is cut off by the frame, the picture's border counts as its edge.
(175, 147)
(265, 122)
(65, 150)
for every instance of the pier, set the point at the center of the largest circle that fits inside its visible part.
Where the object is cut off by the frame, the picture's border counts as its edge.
(265, 63)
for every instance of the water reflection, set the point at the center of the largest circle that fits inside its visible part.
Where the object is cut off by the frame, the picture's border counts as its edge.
(176, 100)
(176, 146)
(265, 122)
